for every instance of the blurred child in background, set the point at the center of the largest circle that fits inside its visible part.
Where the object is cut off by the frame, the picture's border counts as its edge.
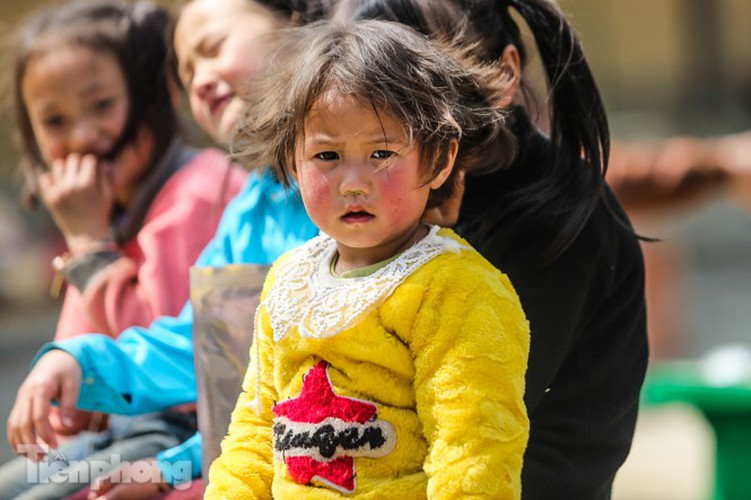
(135, 205)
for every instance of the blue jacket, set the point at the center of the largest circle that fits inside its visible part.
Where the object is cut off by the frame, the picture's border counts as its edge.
(147, 369)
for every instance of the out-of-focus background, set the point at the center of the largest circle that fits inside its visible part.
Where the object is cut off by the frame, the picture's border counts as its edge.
(665, 68)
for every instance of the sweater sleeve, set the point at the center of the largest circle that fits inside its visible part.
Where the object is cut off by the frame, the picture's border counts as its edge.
(144, 369)
(471, 342)
(244, 469)
(150, 278)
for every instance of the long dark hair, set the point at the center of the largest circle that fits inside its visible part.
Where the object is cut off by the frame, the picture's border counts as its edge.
(567, 189)
(135, 34)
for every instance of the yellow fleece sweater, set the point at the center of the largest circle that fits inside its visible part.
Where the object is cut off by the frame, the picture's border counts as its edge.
(420, 395)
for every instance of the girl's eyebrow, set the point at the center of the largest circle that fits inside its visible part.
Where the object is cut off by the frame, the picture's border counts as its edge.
(386, 140)
(198, 38)
(207, 40)
(323, 138)
(91, 89)
(45, 108)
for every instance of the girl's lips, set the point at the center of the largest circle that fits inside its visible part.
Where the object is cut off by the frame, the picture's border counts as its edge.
(216, 106)
(357, 217)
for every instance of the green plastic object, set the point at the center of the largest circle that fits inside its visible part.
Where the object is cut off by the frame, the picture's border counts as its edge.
(727, 408)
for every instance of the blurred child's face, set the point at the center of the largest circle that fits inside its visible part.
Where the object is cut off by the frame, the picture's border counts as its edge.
(360, 179)
(219, 47)
(78, 102)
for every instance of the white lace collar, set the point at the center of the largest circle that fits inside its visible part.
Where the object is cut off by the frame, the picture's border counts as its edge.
(306, 295)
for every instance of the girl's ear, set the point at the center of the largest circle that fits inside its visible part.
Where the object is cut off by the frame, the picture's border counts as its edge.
(511, 61)
(292, 161)
(453, 149)
(293, 170)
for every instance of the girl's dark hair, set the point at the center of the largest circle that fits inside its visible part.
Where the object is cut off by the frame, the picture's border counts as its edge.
(568, 189)
(438, 95)
(442, 19)
(300, 12)
(135, 34)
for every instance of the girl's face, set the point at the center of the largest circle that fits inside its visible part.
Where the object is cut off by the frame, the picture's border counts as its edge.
(360, 179)
(78, 102)
(219, 47)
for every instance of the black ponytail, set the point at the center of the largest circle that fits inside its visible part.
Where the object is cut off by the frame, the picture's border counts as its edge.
(578, 124)
(568, 189)
(578, 121)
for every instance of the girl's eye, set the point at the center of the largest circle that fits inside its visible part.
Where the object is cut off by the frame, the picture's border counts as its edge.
(53, 122)
(382, 154)
(210, 47)
(103, 105)
(327, 156)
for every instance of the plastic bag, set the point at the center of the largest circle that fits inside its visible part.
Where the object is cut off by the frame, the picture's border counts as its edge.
(224, 302)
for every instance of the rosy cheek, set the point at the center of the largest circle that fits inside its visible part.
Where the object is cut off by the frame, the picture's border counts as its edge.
(51, 150)
(315, 188)
(391, 189)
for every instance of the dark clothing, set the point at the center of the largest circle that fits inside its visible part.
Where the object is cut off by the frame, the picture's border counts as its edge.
(588, 329)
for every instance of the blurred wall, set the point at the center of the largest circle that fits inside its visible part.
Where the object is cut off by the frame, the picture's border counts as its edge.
(674, 67)
(669, 66)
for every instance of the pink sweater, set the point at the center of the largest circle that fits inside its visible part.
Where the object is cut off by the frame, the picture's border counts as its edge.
(151, 277)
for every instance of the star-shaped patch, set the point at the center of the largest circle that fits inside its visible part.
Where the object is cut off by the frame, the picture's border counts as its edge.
(319, 433)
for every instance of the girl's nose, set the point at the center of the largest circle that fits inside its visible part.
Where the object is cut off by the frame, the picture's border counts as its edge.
(355, 180)
(204, 81)
(84, 138)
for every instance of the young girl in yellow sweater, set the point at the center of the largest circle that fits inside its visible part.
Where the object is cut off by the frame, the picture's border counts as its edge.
(378, 346)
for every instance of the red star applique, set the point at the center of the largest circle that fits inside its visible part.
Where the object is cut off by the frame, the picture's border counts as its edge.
(319, 433)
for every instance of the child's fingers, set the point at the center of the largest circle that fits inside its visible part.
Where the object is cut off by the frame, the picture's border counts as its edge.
(58, 167)
(15, 428)
(57, 374)
(87, 171)
(81, 172)
(62, 175)
(48, 182)
(22, 427)
(70, 169)
(40, 413)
